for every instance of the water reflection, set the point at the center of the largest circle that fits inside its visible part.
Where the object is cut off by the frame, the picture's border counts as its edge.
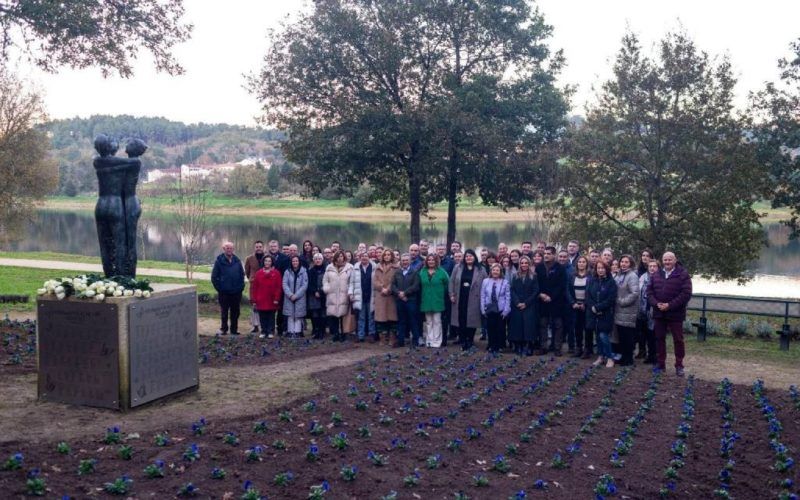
(763, 285)
(777, 269)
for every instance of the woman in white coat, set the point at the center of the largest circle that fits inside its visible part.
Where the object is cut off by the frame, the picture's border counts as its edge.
(342, 287)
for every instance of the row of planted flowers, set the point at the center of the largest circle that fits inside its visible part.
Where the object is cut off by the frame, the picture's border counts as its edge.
(419, 418)
(678, 447)
(784, 463)
(398, 384)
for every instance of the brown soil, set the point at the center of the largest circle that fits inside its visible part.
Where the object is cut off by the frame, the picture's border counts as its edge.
(249, 349)
(714, 369)
(18, 353)
(230, 390)
(411, 388)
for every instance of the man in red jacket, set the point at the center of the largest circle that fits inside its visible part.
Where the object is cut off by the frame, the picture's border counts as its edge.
(668, 293)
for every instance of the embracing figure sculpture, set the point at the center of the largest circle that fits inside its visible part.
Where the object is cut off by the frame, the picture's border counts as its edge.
(118, 209)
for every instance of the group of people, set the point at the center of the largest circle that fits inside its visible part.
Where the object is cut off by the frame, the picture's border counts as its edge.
(532, 300)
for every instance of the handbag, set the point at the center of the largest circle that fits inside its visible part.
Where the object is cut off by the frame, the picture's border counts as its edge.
(493, 306)
(349, 322)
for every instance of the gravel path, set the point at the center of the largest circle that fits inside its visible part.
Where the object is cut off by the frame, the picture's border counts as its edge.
(95, 268)
(248, 391)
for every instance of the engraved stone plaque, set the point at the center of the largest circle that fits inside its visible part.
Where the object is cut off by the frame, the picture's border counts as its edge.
(162, 344)
(78, 353)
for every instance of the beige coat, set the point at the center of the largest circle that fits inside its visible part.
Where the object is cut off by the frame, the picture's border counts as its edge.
(339, 285)
(251, 267)
(384, 307)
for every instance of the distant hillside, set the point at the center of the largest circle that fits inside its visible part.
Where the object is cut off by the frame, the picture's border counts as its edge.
(170, 144)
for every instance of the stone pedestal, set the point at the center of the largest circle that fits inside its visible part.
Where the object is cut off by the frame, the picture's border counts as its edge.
(120, 353)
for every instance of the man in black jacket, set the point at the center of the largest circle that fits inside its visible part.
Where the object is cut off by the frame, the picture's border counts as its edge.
(228, 280)
(405, 287)
(366, 316)
(552, 295)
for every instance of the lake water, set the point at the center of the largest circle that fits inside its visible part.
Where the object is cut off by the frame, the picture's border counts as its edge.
(777, 270)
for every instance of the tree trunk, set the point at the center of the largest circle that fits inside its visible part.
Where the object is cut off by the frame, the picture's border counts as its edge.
(414, 205)
(452, 199)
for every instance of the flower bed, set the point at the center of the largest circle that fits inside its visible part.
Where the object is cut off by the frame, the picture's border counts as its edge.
(426, 424)
(18, 354)
(249, 349)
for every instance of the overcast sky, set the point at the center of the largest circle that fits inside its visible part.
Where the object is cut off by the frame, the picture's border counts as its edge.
(230, 39)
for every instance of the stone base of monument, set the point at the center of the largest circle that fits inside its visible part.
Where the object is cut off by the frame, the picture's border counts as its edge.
(120, 353)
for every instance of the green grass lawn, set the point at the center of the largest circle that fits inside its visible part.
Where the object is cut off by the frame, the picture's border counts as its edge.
(748, 348)
(25, 281)
(84, 259)
(223, 202)
(744, 349)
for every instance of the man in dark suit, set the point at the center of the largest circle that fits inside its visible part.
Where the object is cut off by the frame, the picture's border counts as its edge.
(552, 295)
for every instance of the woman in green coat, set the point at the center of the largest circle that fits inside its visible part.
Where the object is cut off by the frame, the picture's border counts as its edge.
(433, 283)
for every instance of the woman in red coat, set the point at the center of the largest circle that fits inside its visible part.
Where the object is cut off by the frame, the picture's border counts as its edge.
(265, 295)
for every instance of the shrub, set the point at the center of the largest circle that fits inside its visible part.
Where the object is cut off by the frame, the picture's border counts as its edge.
(713, 328)
(362, 197)
(740, 327)
(764, 330)
(329, 193)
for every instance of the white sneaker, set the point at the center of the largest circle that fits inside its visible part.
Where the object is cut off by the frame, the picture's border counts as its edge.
(261, 336)
(610, 363)
(598, 361)
(270, 336)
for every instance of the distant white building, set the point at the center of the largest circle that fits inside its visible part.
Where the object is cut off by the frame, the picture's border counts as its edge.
(252, 161)
(155, 175)
(186, 171)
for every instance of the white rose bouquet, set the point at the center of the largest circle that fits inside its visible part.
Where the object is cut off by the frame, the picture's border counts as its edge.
(93, 286)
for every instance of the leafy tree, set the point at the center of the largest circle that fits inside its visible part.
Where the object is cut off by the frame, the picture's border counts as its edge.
(274, 178)
(189, 156)
(247, 180)
(662, 162)
(84, 33)
(499, 116)
(415, 98)
(351, 81)
(26, 172)
(778, 135)
(70, 189)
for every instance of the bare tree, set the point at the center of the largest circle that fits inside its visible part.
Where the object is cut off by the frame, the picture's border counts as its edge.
(145, 224)
(28, 174)
(190, 212)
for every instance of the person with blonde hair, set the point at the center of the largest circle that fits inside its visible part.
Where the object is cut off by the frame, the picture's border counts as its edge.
(495, 305)
(385, 307)
(342, 293)
(524, 323)
(433, 286)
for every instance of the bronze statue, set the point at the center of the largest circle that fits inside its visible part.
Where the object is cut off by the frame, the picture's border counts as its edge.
(118, 209)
